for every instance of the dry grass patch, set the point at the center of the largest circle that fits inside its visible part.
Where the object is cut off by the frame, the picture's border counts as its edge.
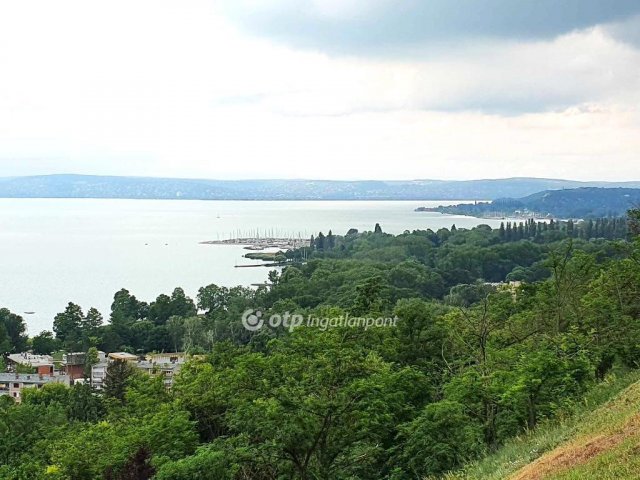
(578, 452)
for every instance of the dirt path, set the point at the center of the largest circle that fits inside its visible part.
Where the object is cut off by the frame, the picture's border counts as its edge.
(578, 452)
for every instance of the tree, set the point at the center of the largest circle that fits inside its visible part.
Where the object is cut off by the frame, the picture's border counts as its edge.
(53, 393)
(84, 404)
(91, 358)
(44, 343)
(377, 228)
(34, 423)
(420, 335)
(320, 408)
(214, 461)
(633, 221)
(181, 305)
(116, 381)
(91, 324)
(68, 326)
(160, 310)
(330, 241)
(12, 332)
(126, 308)
(545, 375)
(368, 297)
(5, 341)
(212, 298)
(440, 438)
(194, 334)
(164, 307)
(175, 330)
(137, 467)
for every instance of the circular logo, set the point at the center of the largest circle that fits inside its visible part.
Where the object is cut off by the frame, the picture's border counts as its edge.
(252, 320)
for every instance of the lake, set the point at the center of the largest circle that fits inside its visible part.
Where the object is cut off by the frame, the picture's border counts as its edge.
(53, 251)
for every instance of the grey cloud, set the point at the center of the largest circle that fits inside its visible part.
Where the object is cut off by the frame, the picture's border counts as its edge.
(378, 25)
(627, 31)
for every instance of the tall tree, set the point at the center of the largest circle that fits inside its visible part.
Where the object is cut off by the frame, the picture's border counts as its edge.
(116, 381)
(44, 343)
(67, 326)
(13, 330)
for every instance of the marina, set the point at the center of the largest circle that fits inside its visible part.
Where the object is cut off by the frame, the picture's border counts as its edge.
(259, 243)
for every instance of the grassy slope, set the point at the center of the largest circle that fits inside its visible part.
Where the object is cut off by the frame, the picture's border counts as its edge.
(601, 441)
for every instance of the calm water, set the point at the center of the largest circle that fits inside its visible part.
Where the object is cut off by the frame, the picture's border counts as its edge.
(56, 251)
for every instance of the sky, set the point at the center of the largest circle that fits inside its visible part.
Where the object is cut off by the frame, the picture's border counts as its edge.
(323, 89)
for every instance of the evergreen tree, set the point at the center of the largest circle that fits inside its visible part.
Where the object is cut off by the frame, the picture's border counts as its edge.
(116, 380)
(330, 240)
(570, 228)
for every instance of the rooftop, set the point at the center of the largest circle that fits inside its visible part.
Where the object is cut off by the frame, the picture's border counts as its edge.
(30, 359)
(31, 378)
(123, 356)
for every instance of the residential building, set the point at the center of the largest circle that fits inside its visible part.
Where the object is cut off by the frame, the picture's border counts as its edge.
(13, 384)
(42, 364)
(165, 364)
(98, 373)
(73, 364)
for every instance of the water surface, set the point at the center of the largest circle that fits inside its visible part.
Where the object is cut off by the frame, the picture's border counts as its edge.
(53, 251)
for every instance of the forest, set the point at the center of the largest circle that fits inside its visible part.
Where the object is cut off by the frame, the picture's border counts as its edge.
(583, 202)
(498, 331)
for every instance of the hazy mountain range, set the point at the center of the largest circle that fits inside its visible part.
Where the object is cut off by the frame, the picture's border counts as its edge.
(90, 186)
(584, 202)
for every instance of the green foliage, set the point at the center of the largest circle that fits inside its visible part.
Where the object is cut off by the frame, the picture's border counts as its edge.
(85, 404)
(45, 343)
(13, 336)
(441, 437)
(52, 393)
(472, 362)
(118, 375)
(67, 327)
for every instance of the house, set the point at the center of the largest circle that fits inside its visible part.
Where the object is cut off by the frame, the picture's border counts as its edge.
(73, 364)
(179, 357)
(98, 373)
(166, 370)
(99, 370)
(13, 384)
(42, 364)
(165, 364)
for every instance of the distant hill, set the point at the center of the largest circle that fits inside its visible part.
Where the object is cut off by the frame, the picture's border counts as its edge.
(586, 202)
(89, 186)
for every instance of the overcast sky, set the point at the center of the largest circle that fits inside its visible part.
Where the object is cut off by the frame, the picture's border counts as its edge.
(332, 89)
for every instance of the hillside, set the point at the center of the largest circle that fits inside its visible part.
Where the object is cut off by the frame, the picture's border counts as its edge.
(599, 443)
(584, 202)
(89, 186)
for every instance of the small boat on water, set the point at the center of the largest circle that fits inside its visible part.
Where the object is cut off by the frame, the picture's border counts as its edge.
(29, 313)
